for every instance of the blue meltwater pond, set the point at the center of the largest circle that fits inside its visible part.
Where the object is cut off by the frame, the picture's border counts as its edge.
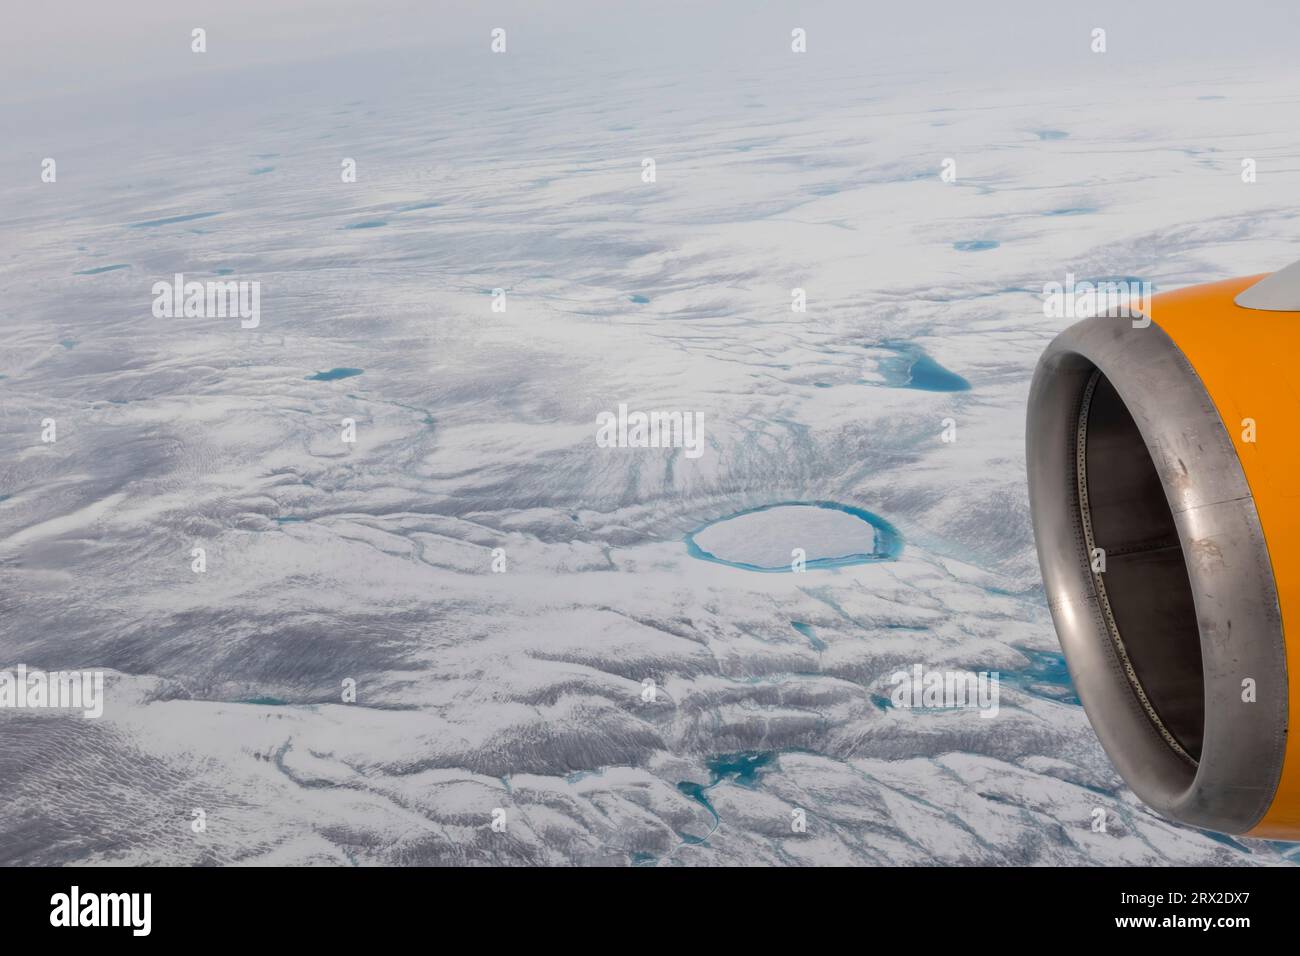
(910, 367)
(334, 374)
(831, 535)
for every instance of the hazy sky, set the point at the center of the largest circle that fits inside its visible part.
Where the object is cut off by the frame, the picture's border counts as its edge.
(89, 46)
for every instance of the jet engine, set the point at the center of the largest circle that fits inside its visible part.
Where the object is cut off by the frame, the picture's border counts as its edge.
(1163, 456)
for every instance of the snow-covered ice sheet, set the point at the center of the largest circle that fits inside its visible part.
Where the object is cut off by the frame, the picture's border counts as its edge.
(499, 588)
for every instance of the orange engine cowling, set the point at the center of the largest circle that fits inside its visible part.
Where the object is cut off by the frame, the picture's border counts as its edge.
(1163, 454)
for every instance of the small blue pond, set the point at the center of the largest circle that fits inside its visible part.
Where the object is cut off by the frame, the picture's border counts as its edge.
(743, 768)
(831, 535)
(334, 374)
(807, 631)
(911, 367)
(1046, 676)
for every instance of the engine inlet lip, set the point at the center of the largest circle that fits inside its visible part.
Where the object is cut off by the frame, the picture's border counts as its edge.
(1232, 785)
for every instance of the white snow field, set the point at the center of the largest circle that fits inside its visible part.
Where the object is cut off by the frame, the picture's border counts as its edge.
(500, 590)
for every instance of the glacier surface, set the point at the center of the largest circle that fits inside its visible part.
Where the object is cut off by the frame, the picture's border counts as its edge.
(500, 590)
